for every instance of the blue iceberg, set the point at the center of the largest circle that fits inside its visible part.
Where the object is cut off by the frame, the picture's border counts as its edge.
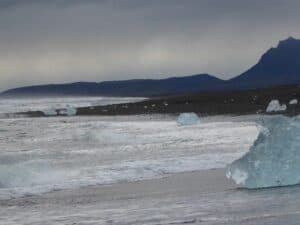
(187, 119)
(273, 159)
(50, 112)
(68, 111)
(274, 106)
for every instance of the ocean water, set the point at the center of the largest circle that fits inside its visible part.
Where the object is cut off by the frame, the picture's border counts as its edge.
(51, 168)
(12, 105)
(45, 154)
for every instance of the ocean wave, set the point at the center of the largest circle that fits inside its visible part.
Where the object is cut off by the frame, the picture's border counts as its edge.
(34, 177)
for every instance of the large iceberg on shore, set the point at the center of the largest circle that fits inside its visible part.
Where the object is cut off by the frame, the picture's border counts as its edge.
(273, 159)
(187, 119)
(274, 106)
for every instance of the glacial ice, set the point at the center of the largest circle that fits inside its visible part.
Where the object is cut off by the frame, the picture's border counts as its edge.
(187, 119)
(273, 159)
(293, 102)
(68, 111)
(50, 112)
(274, 106)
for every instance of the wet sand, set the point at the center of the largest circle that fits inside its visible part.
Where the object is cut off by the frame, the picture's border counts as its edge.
(205, 197)
(155, 201)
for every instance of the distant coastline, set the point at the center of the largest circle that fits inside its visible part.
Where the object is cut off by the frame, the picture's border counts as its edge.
(235, 103)
(277, 67)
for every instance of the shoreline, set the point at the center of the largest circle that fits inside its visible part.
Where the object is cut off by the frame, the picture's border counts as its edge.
(202, 197)
(210, 178)
(204, 104)
(130, 198)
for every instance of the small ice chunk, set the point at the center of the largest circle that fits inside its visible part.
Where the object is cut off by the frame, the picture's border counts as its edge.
(273, 159)
(50, 112)
(186, 119)
(68, 111)
(293, 102)
(274, 106)
(239, 176)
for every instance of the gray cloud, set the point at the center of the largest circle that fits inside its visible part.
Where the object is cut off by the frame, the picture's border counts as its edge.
(5, 4)
(46, 41)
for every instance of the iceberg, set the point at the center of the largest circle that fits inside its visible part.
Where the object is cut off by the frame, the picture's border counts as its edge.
(293, 102)
(68, 111)
(187, 119)
(273, 159)
(50, 112)
(274, 106)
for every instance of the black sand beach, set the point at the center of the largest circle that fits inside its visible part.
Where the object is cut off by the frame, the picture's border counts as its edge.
(210, 103)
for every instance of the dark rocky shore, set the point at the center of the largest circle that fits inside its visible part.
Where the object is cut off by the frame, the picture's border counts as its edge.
(217, 103)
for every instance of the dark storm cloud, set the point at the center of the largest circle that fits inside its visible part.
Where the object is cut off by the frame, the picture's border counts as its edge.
(69, 40)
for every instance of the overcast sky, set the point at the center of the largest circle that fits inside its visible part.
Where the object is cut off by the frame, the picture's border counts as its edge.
(53, 41)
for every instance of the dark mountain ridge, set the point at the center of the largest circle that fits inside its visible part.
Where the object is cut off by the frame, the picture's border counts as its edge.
(137, 87)
(277, 67)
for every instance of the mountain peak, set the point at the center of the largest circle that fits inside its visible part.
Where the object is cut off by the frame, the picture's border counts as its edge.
(290, 41)
(278, 66)
(288, 50)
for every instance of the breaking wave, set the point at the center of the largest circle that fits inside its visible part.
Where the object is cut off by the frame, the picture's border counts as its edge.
(35, 177)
